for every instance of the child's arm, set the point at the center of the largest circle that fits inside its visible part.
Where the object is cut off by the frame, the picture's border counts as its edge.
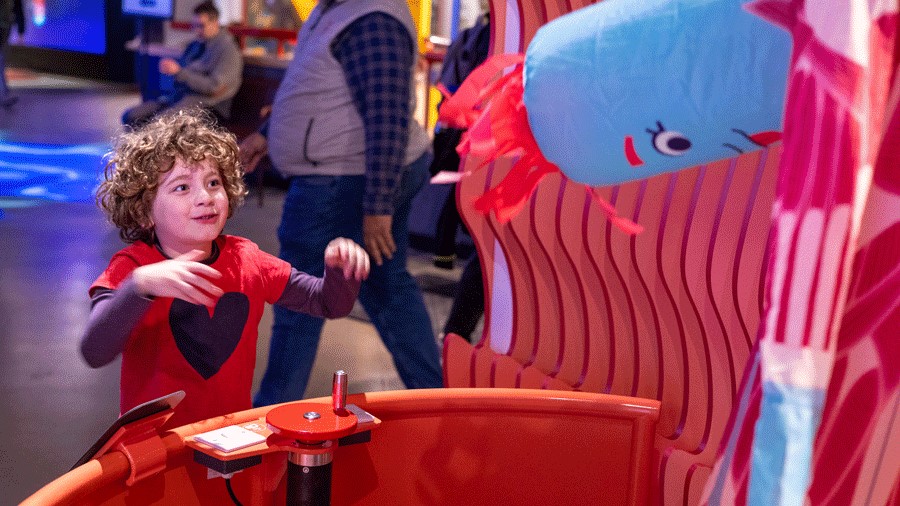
(115, 313)
(332, 296)
(182, 277)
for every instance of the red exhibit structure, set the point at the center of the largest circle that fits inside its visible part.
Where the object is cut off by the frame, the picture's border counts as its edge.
(448, 446)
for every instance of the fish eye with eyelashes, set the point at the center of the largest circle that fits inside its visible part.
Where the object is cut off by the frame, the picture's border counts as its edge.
(669, 142)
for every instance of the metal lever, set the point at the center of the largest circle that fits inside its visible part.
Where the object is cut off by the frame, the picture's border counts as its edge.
(339, 393)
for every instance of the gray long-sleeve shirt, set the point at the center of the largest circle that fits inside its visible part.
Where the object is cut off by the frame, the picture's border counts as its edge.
(216, 74)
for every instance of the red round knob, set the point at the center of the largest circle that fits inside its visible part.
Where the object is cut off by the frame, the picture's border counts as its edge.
(310, 423)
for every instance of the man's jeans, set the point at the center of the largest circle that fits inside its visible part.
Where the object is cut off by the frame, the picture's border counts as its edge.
(318, 209)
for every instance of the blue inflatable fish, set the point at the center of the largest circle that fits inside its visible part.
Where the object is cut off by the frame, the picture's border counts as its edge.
(624, 90)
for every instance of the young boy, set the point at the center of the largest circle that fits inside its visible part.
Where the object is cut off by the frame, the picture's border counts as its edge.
(182, 303)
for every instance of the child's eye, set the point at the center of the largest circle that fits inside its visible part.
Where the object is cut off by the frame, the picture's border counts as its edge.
(180, 188)
(215, 182)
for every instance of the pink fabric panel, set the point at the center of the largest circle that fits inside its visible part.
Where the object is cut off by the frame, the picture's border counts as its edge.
(834, 281)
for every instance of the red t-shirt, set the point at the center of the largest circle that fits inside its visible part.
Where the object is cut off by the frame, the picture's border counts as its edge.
(210, 354)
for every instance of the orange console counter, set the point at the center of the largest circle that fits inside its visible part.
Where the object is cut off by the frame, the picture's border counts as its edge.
(443, 446)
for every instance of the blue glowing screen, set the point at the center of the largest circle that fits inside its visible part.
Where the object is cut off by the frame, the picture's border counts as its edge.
(62, 24)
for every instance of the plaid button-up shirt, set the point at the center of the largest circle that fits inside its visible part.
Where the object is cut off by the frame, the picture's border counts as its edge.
(376, 53)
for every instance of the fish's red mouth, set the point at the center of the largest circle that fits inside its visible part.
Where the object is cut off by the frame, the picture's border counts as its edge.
(630, 153)
(762, 139)
(766, 138)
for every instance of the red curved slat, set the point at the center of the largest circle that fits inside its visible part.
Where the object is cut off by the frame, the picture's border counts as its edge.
(647, 243)
(457, 357)
(513, 237)
(555, 310)
(575, 361)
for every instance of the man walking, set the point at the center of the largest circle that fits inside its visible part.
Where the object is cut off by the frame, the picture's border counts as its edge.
(342, 129)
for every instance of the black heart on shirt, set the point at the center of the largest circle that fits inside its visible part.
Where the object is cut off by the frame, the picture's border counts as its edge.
(206, 343)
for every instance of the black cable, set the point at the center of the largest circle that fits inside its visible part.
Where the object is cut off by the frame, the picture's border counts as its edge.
(231, 492)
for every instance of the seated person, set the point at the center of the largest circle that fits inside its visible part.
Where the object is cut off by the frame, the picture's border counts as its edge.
(208, 74)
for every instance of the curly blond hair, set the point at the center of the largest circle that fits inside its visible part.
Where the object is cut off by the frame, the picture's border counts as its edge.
(139, 157)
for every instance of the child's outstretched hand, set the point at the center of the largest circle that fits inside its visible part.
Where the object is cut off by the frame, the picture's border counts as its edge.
(183, 277)
(349, 256)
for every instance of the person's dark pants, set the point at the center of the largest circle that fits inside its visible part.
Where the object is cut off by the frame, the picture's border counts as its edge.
(468, 306)
(318, 209)
(4, 88)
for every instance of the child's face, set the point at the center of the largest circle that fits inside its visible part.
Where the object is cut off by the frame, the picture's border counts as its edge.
(190, 207)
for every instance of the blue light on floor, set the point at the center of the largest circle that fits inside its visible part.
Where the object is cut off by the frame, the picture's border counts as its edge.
(68, 173)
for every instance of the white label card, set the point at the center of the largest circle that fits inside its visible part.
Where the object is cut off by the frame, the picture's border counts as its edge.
(230, 438)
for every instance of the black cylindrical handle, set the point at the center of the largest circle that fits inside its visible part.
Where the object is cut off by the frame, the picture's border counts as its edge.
(309, 485)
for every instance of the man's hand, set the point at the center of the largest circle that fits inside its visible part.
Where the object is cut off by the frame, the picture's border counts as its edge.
(378, 238)
(183, 277)
(169, 66)
(349, 256)
(253, 148)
